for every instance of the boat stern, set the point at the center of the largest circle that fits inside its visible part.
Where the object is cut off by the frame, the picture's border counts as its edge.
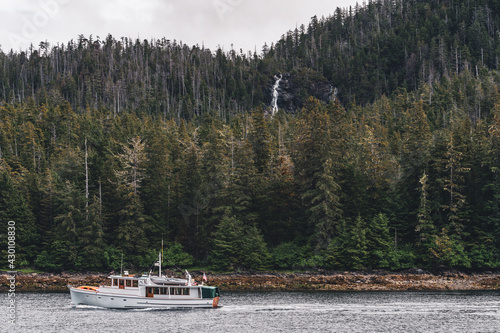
(211, 292)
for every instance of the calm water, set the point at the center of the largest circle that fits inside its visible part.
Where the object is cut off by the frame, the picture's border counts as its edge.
(271, 312)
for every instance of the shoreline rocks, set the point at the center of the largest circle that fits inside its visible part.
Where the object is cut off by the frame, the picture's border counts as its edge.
(346, 281)
(358, 282)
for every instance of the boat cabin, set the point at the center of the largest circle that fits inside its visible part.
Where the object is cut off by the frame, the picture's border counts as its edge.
(148, 286)
(123, 282)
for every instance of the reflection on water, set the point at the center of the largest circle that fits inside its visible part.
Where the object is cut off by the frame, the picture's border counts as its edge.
(273, 312)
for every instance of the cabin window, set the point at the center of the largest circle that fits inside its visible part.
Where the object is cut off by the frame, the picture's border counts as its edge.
(128, 283)
(156, 291)
(180, 291)
(135, 283)
(163, 291)
(115, 282)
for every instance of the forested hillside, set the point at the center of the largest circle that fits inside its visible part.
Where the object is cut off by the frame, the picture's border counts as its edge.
(111, 146)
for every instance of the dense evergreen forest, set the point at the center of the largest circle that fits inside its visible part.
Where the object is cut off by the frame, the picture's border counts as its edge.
(111, 146)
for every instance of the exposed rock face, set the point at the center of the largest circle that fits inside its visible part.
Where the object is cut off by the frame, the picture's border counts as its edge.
(295, 87)
(277, 281)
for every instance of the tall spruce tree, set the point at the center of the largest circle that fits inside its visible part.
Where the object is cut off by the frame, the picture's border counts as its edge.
(13, 207)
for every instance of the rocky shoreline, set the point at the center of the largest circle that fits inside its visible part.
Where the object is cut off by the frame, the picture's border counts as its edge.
(346, 281)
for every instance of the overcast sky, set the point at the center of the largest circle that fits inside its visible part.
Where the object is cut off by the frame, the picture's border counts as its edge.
(247, 24)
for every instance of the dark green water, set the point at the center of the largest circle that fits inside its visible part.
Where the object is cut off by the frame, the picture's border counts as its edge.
(271, 312)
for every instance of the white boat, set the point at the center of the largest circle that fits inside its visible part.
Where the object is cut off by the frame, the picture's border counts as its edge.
(147, 291)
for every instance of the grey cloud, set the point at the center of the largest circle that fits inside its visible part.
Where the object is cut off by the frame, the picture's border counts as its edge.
(247, 24)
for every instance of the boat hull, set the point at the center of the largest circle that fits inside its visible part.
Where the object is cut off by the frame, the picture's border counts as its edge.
(117, 301)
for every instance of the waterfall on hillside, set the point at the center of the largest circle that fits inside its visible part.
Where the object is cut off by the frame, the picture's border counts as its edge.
(274, 102)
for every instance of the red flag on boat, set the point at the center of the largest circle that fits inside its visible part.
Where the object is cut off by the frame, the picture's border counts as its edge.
(204, 277)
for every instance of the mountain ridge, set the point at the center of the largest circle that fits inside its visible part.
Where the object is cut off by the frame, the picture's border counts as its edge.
(364, 51)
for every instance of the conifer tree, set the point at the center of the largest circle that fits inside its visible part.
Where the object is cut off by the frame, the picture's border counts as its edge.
(324, 207)
(227, 243)
(132, 160)
(278, 205)
(355, 247)
(425, 225)
(214, 179)
(446, 251)
(91, 238)
(190, 201)
(414, 161)
(70, 214)
(316, 173)
(238, 246)
(132, 223)
(13, 207)
(260, 139)
(158, 191)
(453, 185)
(378, 241)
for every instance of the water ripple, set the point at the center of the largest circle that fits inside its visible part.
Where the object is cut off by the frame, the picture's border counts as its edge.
(273, 312)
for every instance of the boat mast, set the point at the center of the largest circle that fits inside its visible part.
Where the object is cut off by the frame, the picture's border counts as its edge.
(159, 264)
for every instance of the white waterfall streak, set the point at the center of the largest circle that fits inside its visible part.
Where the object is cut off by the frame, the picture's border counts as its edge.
(274, 102)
